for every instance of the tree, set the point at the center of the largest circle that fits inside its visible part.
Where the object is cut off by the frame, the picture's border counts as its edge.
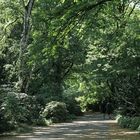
(23, 80)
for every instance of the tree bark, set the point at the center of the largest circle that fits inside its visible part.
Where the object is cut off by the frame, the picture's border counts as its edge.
(24, 44)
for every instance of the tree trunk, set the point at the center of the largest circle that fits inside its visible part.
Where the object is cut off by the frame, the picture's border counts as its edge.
(23, 76)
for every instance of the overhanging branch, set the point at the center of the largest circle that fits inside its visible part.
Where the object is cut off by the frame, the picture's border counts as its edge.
(6, 26)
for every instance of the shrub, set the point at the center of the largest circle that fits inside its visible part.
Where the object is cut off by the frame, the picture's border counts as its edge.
(77, 110)
(124, 122)
(73, 106)
(55, 111)
(33, 109)
(4, 124)
(12, 109)
(138, 128)
(16, 108)
(41, 121)
(129, 122)
(135, 123)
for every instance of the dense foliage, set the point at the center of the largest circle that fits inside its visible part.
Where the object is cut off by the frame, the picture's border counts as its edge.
(77, 52)
(55, 111)
(129, 122)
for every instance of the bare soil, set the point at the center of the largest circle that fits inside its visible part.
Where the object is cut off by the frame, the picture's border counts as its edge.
(87, 127)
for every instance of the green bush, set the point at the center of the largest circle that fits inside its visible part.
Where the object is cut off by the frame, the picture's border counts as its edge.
(55, 111)
(138, 128)
(73, 106)
(4, 124)
(33, 108)
(13, 109)
(20, 108)
(129, 122)
(135, 123)
(41, 121)
(124, 122)
(17, 108)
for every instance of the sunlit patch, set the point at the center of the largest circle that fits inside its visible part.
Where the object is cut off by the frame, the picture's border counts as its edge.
(89, 127)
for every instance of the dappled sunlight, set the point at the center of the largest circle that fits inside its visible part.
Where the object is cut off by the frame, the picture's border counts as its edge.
(88, 127)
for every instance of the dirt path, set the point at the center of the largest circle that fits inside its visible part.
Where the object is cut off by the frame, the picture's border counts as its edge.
(88, 127)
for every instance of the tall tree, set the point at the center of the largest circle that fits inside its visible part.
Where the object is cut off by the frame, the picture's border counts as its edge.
(23, 79)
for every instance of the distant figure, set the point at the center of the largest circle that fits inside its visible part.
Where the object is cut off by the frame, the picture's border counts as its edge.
(103, 108)
(109, 109)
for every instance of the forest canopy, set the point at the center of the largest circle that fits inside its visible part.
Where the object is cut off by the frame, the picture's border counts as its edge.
(79, 52)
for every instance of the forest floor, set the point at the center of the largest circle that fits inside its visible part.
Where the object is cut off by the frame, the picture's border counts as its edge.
(87, 127)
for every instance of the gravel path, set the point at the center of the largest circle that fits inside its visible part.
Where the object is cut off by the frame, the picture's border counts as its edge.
(88, 127)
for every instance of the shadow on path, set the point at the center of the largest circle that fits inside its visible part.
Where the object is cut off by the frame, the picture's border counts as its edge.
(88, 127)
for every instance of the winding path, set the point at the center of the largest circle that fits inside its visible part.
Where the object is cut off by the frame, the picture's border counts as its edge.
(88, 127)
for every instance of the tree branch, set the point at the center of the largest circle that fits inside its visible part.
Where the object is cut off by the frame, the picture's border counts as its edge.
(6, 26)
(67, 71)
(91, 6)
(134, 6)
